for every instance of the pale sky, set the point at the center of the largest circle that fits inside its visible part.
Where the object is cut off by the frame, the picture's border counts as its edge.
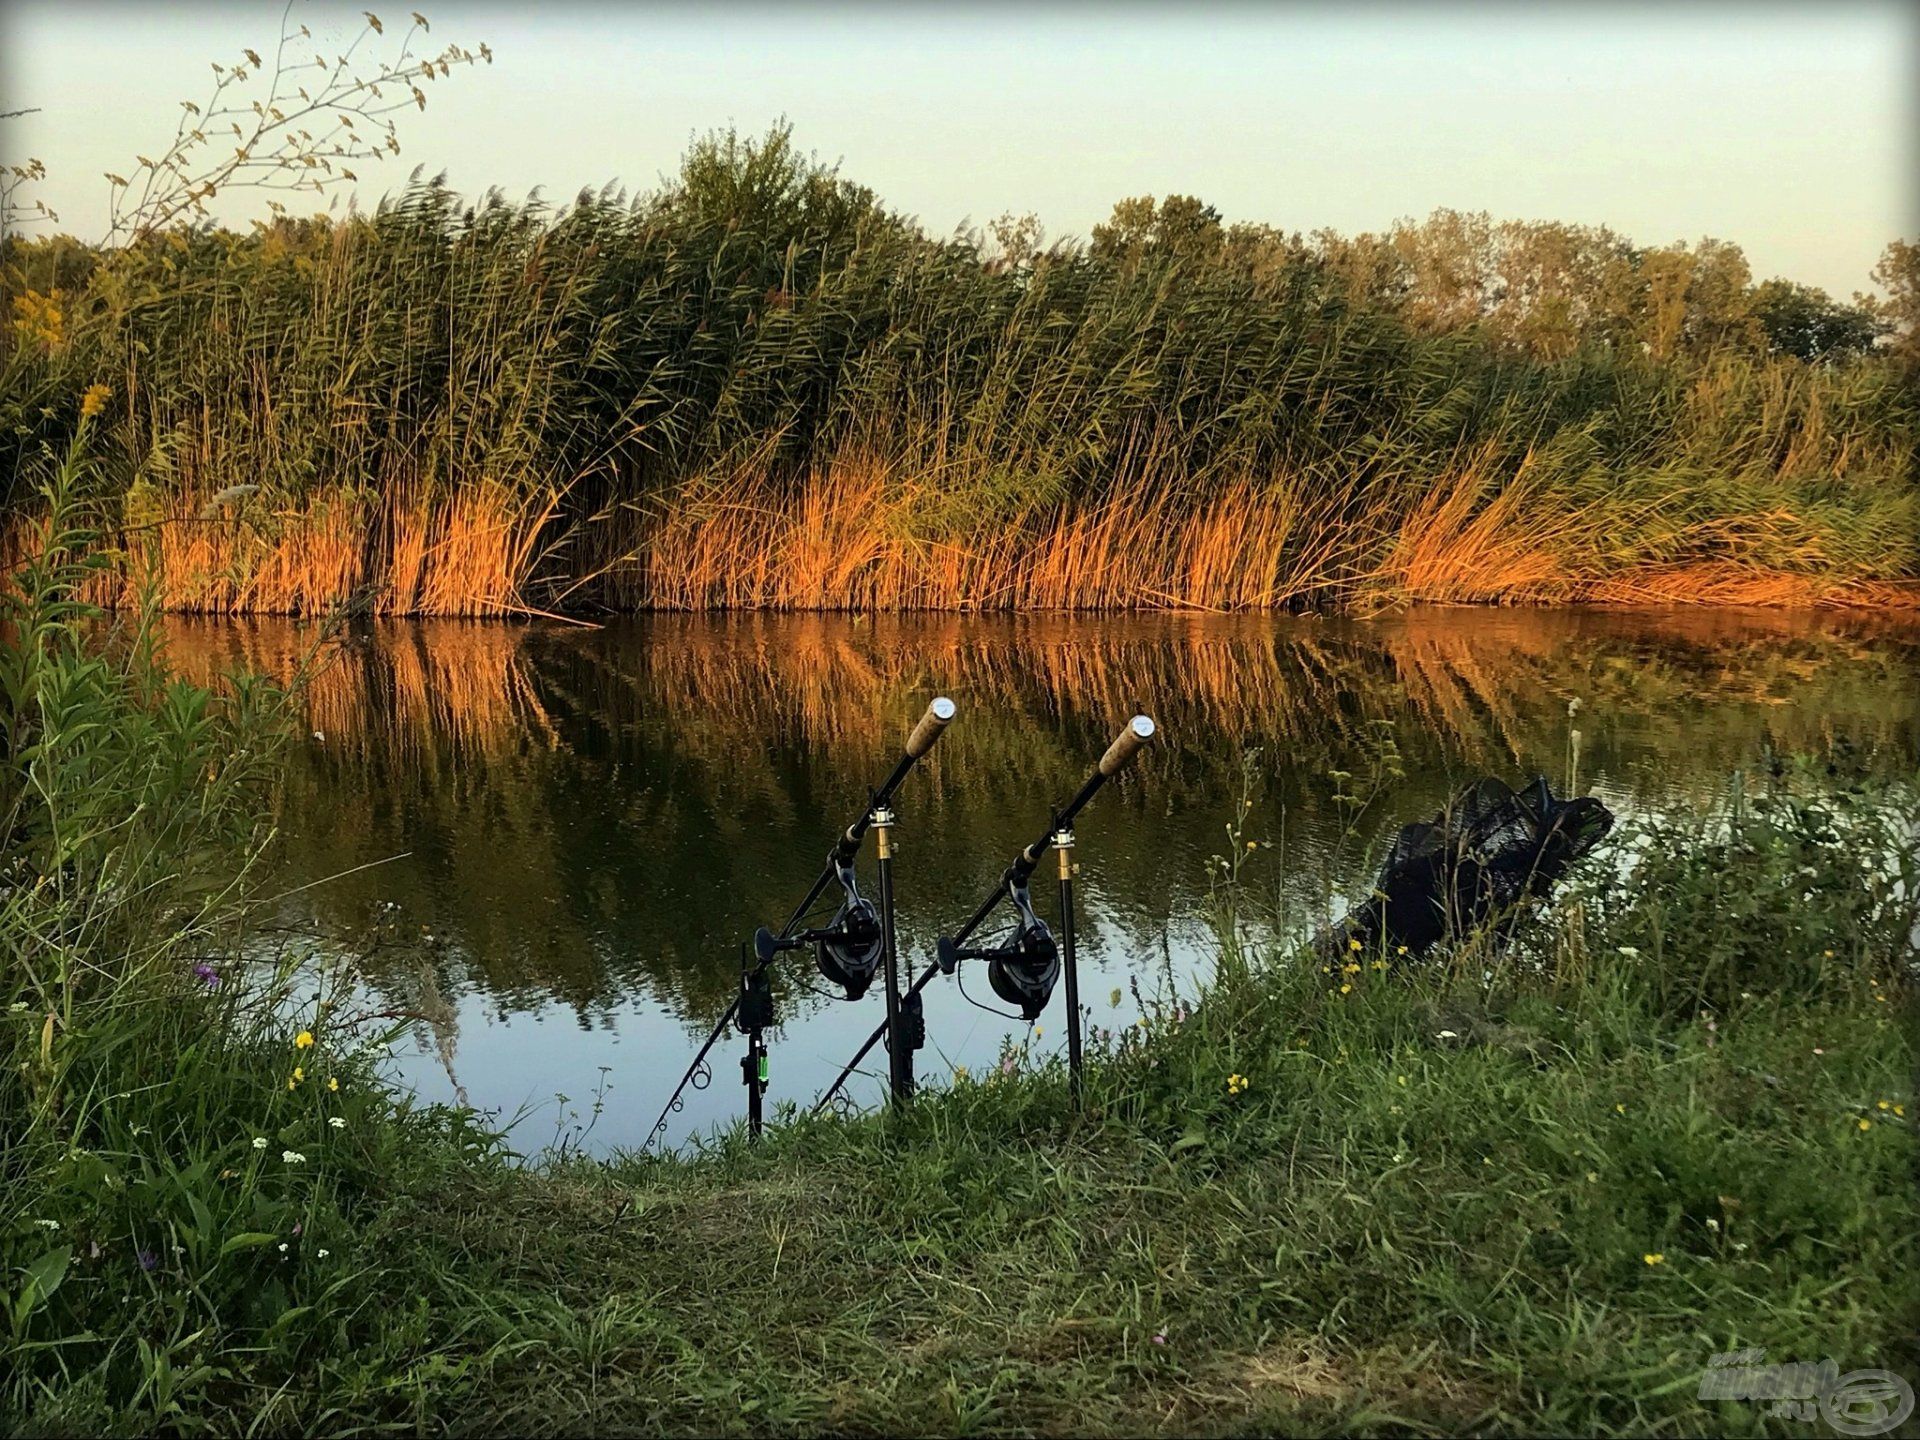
(1786, 128)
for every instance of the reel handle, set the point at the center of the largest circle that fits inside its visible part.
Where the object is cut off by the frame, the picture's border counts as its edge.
(939, 713)
(1126, 745)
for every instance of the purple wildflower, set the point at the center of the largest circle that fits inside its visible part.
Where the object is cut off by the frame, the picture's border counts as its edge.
(206, 974)
(1160, 1339)
(148, 1260)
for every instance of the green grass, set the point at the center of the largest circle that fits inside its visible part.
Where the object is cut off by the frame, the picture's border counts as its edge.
(1430, 1208)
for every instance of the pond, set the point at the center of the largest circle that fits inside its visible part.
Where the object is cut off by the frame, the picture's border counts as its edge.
(550, 840)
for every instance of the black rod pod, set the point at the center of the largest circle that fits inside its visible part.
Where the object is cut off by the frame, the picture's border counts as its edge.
(937, 716)
(753, 1013)
(1063, 847)
(901, 1040)
(950, 950)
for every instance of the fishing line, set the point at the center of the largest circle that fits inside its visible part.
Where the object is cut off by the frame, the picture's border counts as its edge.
(961, 980)
(813, 989)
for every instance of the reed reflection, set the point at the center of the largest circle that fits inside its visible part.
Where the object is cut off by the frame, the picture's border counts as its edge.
(593, 818)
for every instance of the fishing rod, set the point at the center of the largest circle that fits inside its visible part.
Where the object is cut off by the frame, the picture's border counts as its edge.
(1024, 968)
(849, 947)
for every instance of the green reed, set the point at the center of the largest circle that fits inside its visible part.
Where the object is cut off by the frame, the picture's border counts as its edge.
(593, 369)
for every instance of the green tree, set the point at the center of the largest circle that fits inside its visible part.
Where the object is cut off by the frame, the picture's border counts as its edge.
(1898, 273)
(1551, 285)
(1450, 267)
(1181, 226)
(1805, 322)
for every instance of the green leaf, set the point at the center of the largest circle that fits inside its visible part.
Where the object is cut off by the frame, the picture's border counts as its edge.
(284, 1319)
(247, 1240)
(44, 1276)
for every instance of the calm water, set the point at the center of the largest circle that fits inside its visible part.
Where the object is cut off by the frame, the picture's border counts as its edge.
(563, 833)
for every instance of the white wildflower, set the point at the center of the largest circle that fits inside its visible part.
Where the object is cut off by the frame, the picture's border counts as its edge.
(259, 1142)
(292, 1157)
(336, 1122)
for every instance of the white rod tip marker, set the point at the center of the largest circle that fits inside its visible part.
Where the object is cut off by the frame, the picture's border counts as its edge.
(943, 708)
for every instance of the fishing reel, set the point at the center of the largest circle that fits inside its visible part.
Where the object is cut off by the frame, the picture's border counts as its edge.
(848, 949)
(1023, 968)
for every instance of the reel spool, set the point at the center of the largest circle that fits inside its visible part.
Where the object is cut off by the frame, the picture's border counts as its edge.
(1023, 968)
(849, 950)
(1024, 971)
(848, 953)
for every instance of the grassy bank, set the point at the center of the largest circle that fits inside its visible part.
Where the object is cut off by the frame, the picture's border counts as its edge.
(1512, 1193)
(758, 387)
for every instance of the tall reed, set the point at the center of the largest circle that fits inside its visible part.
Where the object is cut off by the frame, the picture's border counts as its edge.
(758, 387)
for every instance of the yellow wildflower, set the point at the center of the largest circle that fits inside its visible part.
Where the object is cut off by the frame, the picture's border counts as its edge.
(1347, 988)
(94, 400)
(304, 1040)
(1866, 1124)
(1654, 1257)
(1886, 1104)
(333, 1082)
(38, 319)
(1353, 944)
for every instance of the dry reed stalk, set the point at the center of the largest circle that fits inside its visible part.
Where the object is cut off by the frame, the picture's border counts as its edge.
(1458, 546)
(468, 554)
(856, 534)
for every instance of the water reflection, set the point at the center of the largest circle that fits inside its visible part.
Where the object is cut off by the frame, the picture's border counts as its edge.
(590, 819)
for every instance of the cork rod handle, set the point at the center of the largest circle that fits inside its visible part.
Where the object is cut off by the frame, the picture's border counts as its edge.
(1126, 745)
(931, 724)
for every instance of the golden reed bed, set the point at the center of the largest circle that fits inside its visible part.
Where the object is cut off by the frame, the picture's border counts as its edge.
(857, 535)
